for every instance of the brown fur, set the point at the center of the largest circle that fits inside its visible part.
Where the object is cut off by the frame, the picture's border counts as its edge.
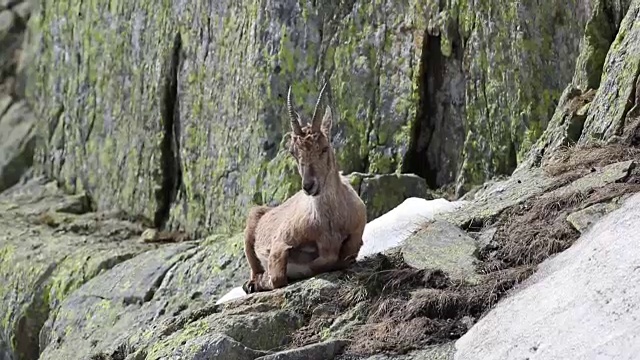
(314, 231)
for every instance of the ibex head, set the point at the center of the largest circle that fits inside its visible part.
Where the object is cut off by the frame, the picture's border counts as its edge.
(310, 145)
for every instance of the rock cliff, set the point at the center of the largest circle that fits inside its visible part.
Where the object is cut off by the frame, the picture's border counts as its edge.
(176, 110)
(170, 114)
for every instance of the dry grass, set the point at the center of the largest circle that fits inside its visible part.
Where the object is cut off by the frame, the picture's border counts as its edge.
(396, 308)
(580, 159)
(428, 316)
(531, 232)
(401, 308)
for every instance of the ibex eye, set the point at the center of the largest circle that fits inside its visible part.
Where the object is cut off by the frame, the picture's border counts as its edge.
(324, 150)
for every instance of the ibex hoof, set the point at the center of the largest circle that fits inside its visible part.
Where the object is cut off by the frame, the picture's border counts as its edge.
(250, 287)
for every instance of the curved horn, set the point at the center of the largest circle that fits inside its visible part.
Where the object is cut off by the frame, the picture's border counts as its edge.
(317, 117)
(295, 119)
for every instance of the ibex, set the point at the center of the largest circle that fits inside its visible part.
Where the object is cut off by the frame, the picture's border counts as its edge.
(319, 229)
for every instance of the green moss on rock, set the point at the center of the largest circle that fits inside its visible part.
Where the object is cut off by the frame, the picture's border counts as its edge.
(607, 115)
(511, 95)
(103, 74)
(592, 106)
(40, 267)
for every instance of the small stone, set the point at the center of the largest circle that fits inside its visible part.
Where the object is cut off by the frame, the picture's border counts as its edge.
(485, 237)
(6, 22)
(584, 219)
(23, 10)
(149, 235)
(321, 351)
(75, 204)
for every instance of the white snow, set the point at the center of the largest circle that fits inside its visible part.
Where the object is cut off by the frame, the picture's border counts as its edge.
(235, 293)
(394, 227)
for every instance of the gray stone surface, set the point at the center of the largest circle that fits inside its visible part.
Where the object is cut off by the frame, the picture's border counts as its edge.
(603, 83)
(215, 347)
(491, 200)
(584, 219)
(437, 352)
(321, 351)
(441, 245)
(17, 140)
(119, 307)
(607, 116)
(191, 101)
(17, 120)
(582, 304)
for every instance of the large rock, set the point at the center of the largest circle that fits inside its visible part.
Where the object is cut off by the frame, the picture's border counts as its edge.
(584, 219)
(183, 120)
(45, 256)
(582, 304)
(17, 140)
(441, 245)
(17, 121)
(599, 104)
(384, 192)
(118, 307)
(68, 271)
(264, 322)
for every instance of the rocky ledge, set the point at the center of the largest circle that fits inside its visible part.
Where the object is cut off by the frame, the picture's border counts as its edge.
(81, 284)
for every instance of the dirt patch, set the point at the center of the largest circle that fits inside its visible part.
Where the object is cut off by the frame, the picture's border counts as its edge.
(397, 308)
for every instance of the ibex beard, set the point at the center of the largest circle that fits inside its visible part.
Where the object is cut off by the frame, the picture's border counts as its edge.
(319, 229)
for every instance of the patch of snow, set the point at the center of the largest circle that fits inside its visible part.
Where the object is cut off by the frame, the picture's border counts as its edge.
(393, 228)
(233, 294)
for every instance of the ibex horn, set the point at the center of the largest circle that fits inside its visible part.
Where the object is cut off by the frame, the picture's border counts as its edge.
(295, 119)
(317, 117)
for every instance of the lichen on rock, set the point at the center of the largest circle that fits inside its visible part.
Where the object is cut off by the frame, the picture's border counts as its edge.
(183, 120)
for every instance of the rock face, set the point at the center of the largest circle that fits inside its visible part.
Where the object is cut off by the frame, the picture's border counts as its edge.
(174, 114)
(88, 286)
(51, 245)
(183, 119)
(601, 101)
(587, 296)
(17, 122)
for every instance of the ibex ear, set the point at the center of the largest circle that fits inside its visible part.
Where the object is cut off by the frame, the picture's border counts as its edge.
(327, 120)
